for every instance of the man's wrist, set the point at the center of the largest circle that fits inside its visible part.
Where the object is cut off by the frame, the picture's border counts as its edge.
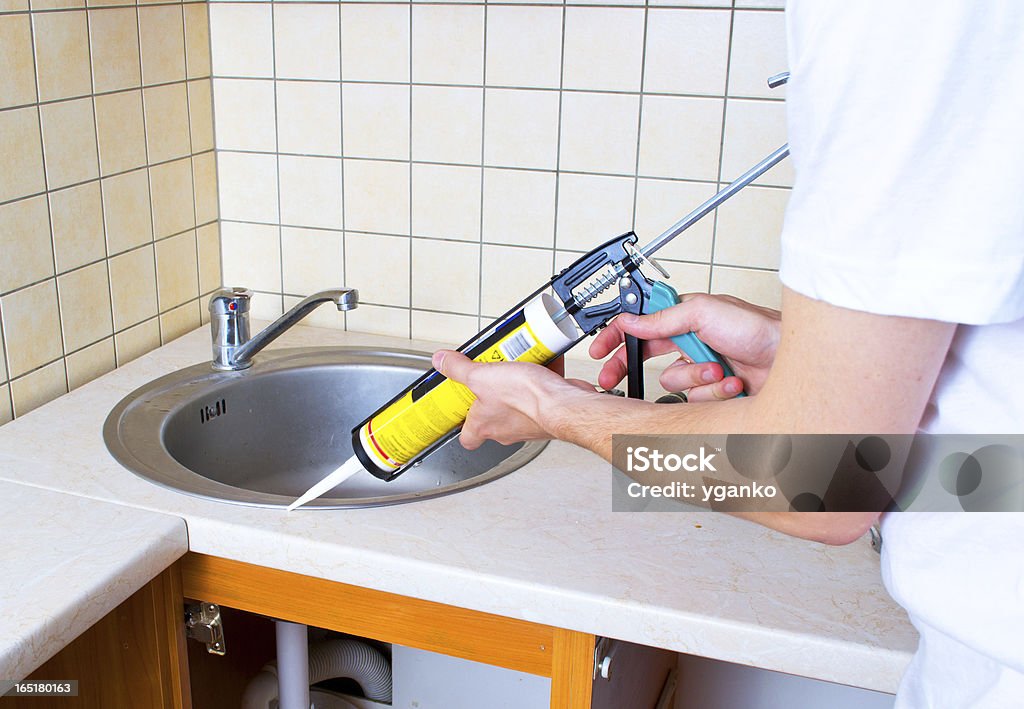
(565, 416)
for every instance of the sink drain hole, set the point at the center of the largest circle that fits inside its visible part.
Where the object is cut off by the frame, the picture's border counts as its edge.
(208, 412)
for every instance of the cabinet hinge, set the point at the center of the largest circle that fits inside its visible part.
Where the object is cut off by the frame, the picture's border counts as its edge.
(602, 658)
(203, 623)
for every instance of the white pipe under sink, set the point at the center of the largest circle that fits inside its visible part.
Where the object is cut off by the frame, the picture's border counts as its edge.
(292, 665)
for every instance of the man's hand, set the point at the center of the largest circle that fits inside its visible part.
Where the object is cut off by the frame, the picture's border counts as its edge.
(746, 335)
(515, 402)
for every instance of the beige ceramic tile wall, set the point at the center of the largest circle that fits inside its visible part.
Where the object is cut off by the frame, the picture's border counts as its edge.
(108, 203)
(446, 158)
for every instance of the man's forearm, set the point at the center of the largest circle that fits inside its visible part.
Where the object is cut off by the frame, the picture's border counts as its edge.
(590, 420)
(836, 371)
(593, 425)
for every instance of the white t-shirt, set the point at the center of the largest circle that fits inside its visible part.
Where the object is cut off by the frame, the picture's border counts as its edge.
(906, 122)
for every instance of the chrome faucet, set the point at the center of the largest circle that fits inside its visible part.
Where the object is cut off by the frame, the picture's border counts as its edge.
(229, 323)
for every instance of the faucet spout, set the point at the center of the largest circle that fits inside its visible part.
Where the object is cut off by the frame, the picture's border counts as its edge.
(229, 310)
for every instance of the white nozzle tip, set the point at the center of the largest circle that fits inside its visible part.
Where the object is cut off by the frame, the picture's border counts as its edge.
(310, 494)
(343, 473)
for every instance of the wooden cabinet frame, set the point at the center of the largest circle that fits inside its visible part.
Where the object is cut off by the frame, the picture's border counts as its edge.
(133, 657)
(566, 656)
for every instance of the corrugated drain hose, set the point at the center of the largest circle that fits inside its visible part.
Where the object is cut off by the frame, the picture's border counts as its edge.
(328, 659)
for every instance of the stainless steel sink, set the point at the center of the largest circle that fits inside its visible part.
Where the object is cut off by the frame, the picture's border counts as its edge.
(264, 435)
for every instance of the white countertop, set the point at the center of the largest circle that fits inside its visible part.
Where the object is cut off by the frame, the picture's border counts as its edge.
(67, 562)
(541, 544)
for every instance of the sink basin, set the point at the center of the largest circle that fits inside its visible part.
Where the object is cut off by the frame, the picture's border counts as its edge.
(264, 435)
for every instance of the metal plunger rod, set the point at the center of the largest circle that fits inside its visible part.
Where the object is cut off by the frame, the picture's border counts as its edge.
(735, 186)
(693, 217)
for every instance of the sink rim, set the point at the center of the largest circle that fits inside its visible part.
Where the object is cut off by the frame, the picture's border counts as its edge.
(150, 460)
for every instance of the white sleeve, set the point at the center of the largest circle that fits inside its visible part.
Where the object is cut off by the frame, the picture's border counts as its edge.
(906, 123)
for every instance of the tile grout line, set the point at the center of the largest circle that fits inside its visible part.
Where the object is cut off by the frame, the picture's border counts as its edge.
(392, 235)
(49, 214)
(389, 306)
(215, 220)
(213, 139)
(122, 5)
(120, 173)
(402, 161)
(7, 369)
(640, 113)
(496, 87)
(99, 184)
(478, 3)
(192, 165)
(483, 145)
(149, 183)
(411, 118)
(4, 331)
(558, 143)
(154, 85)
(277, 153)
(511, 168)
(341, 147)
(721, 143)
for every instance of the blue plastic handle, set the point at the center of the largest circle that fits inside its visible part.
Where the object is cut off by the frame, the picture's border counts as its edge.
(664, 296)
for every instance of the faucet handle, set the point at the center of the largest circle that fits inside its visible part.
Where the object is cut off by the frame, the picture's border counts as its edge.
(230, 301)
(229, 324)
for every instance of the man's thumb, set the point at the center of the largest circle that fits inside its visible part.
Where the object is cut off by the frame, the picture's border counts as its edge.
(451, 364)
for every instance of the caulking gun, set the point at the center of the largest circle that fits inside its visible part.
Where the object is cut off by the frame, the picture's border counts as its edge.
(430, 412)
